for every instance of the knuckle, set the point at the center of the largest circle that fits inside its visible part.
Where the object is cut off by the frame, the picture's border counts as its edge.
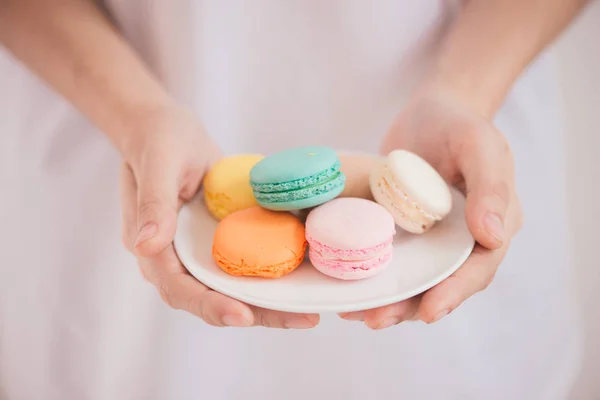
(211, 323)
(471, 132)
(501, 190)
(484, 284)
(487, 280)
(503, 145)
(144, 273)
(147, 208)
(265, 320)
(165, 293)
(195, 305)
(468, 145)
(505, 152)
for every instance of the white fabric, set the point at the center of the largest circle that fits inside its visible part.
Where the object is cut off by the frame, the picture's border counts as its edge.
(76, 320)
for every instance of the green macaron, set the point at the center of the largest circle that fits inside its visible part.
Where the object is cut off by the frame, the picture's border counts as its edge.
(297, 178)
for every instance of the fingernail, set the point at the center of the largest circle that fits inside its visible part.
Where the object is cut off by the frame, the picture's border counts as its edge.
(353, 316)
(148, 231)
(235, 320)
(388, 322)
(440, 315)
(299, 323)
(493, 225)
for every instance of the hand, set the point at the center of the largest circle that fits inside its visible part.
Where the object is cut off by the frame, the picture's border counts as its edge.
(165, 160)
(473, 156)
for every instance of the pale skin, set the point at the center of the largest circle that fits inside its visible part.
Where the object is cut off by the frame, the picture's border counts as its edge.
(166, 151)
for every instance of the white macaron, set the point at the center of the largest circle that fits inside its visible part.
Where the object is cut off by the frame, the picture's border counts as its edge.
(411, 190)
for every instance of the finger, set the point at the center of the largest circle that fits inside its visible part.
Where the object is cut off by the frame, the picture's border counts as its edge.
(158, 182)
(195, 174)
(387, 316)
(353, 316)
(475, 275)
(182, 292)
(128, 193)
(487, 168)
(278, 319)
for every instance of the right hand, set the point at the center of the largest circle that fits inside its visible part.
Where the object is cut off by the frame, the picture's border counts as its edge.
(472, 155)
(166, 157)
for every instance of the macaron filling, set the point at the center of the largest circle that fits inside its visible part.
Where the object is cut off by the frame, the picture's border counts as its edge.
(400, 201)
(374, 263)
(299, 189)
(324, 176)
(346, 260)
(327, 252)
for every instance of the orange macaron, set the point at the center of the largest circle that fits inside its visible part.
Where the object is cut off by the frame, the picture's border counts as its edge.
(259, 242)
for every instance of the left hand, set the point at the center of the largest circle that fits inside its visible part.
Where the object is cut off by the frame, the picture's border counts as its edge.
(471, 154)
(166, 157)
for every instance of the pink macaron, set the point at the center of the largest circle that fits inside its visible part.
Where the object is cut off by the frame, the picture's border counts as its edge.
(350, 238)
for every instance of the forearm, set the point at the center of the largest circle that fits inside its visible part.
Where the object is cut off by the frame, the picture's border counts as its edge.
(493, 41)
(74, 48)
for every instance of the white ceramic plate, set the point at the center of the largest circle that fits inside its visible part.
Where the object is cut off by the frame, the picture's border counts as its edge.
(419, 263)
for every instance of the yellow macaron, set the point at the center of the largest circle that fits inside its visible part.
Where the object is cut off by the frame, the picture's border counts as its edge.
(227, 185)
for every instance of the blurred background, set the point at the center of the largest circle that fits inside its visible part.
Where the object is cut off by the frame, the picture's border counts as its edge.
(579, 58)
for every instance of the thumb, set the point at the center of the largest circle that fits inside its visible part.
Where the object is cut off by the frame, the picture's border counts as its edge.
(488, 179)
(157, 205)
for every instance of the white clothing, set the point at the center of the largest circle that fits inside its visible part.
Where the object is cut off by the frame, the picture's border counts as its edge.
(77, 322)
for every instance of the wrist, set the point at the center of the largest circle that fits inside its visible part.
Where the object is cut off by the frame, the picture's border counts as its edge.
(484, 52)
(481, 92)
(436, 90)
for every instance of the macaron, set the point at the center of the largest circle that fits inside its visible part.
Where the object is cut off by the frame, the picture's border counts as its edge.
(350, 238)
(411, 190)
(259, 242)
(297, 178)
(227, 185)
